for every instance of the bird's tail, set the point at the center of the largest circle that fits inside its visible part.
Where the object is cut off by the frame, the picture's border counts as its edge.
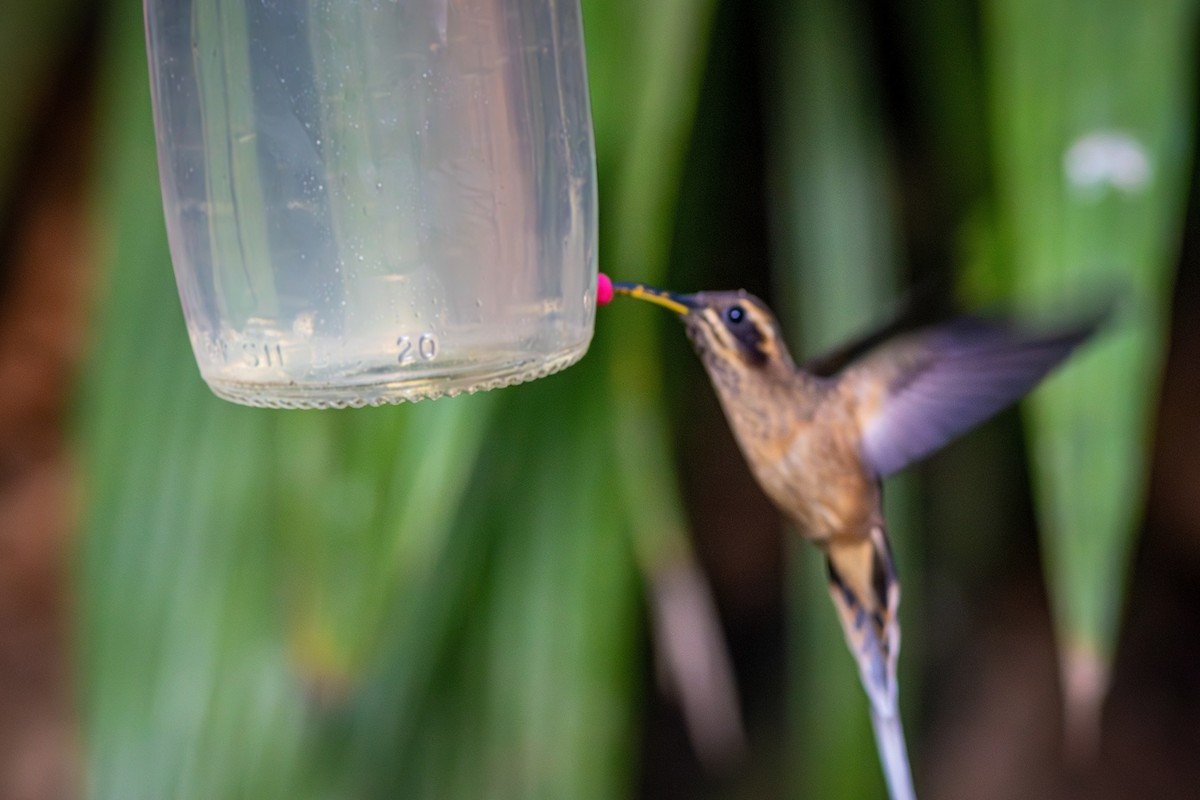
(866, 593)
(893, 755)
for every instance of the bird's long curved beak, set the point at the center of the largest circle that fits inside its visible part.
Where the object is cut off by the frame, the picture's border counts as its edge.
(678, 303)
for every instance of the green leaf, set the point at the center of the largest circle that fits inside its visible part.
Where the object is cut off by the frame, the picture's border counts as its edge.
(1092, 140)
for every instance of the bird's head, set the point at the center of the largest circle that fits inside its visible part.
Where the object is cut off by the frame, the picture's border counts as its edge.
(730, 330)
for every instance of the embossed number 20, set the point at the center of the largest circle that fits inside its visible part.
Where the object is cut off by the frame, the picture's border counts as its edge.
(425, 348)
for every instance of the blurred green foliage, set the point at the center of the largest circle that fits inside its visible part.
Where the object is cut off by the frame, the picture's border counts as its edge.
(428, 601)
(1093, 146)
(452, 599)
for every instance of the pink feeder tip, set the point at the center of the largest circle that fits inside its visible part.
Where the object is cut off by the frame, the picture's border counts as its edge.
(604, 290)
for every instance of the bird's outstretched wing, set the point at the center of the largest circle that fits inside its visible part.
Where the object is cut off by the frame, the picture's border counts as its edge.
(866, 594)
(917, 394)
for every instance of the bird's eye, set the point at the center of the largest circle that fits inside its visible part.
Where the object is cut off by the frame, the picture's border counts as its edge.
(735, 315)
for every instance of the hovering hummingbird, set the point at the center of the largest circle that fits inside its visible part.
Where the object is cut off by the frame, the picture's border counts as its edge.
(820, 444)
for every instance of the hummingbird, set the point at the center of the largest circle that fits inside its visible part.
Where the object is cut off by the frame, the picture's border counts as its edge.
(820, 438)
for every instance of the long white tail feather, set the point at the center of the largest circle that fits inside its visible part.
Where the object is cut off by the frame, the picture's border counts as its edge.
(871, 625)
(893, 754)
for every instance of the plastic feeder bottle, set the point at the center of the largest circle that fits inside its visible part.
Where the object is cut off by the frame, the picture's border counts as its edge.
(371, 202)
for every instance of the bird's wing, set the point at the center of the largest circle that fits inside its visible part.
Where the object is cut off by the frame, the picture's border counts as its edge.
(917, 394)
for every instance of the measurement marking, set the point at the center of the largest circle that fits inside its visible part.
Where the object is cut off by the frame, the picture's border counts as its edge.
(425, 348)
(257, 354)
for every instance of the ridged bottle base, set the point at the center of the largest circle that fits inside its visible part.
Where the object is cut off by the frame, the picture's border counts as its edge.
(367, 392)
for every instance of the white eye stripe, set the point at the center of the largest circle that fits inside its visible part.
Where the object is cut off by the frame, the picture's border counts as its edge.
(717, 329)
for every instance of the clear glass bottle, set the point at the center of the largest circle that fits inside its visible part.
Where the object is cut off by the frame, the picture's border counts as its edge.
(376, 201)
